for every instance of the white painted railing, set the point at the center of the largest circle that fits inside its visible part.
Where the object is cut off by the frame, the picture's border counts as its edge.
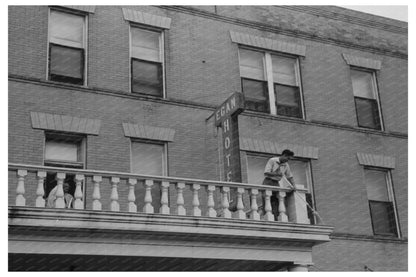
(203, 197)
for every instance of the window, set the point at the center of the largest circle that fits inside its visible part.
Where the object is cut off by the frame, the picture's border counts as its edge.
(148, 158)
(300, 169)
(63, 150)
(271, 83)
(365, 97)
(67, 38)
(146, 62)
(381, 202)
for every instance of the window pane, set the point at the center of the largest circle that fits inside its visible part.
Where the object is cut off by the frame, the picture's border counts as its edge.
(61, 151)
(66, 62)
(145, 44)
(367, 113)
(66, 29)
(299, 170)
(375, 182)
(362, 84)
(251, 64)
(284, 70)
(256, 95)
(383, 219)
(255, 171)
(147, 78)
(147, 158)
(287, 100)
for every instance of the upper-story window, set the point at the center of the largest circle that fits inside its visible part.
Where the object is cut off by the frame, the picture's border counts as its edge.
(381, 201)
(146, 61)
(271, 82)
(148, 158)
(366, 98)
(67, 44)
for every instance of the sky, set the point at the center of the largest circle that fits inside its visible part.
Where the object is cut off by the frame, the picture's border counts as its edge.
(390, 11)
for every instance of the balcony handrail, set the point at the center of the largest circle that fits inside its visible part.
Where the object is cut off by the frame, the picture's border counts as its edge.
(126, 175)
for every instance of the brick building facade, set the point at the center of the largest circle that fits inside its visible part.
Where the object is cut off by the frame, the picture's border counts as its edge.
(338, 78)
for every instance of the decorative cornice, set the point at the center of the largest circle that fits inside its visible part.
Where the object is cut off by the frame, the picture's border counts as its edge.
(284, 31)
(64, 123)
(362, 62)
(146, 18)
(266, 43)
(376, 160)
(272, 147)
(148, 132)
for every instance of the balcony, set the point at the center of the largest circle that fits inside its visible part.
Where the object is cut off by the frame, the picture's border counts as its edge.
(187, 226)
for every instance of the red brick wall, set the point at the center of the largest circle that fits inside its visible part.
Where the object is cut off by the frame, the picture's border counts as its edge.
(202, 67)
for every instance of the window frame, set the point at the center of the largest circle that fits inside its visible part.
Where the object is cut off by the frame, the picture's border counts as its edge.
(84, 45)
(375, 93)
(154, 142)
(309, 178)
(392, 199)
(161, 33)
(66, 164)
(268, 73)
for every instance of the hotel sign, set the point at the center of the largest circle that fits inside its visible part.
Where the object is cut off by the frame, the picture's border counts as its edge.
(226, 118)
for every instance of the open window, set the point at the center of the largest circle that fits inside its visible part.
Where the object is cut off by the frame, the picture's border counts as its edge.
(67, 151)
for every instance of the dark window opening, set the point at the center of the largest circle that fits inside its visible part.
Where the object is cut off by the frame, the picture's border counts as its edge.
(256, 95)
(367, 113)
(383, 218)
(287, 100)
(66, 64)
(146, 77)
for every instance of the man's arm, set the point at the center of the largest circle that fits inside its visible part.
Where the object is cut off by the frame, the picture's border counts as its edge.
(268, 169)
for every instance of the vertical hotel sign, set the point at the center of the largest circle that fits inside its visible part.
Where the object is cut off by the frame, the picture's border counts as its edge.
(226, 118)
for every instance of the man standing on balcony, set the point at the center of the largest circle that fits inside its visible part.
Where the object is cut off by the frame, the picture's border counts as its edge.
(275, 168)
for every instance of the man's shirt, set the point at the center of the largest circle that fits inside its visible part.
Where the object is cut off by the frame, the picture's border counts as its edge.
(274, 165)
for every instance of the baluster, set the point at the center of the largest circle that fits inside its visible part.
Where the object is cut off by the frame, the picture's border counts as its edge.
(282, 209)
(114, 206)
(180, 201)
(148, 208)
(225, 203)
(20, 189)
(131, 197)
(240, 206)
(195, 201)
(40, 191)
(254, 214)
(96, 195)
(211, 204)
(60, 201)
(78, 203)
(267, 206)
(164, 200)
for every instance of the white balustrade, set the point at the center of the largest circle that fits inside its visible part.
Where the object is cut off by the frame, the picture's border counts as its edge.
(96, 195)
(78, 203)
(225, 204)
(20, 189)
(40, 191)
(180, 210)
(254, 214)
(195, 201)
(132, 197)
(60, 201)
(267, 206)
(291, 206)
(114, 206)
(164, 200)
(148, 208)
(240, 206)
(210, 203)
(282, 209)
